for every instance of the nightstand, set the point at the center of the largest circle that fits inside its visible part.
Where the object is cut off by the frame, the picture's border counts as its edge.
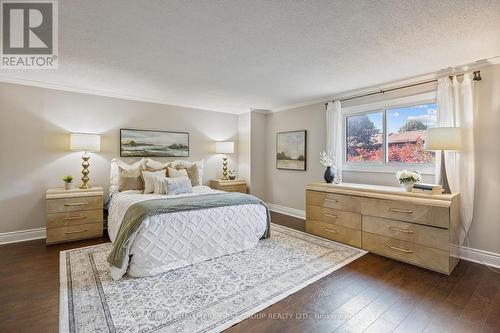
(74, 214)
(236, 185)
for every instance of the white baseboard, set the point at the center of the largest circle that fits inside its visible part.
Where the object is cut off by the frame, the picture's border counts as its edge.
(22, 235)
(463, 252)
(287, 210)
(478, 256)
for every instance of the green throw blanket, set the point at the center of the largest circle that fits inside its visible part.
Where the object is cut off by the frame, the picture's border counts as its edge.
(138, 212)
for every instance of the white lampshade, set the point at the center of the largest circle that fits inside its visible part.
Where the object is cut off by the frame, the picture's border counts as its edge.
(444, 138)
(224, 147)
(85, 142)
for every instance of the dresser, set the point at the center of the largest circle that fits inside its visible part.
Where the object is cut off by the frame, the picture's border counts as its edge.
(236, 185)
(416, 228)
(74, 214)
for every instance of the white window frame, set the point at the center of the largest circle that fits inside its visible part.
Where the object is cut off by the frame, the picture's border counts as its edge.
(381, 106)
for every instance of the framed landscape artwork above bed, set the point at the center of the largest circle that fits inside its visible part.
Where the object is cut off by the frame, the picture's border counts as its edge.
(151, 143)
(291, 150)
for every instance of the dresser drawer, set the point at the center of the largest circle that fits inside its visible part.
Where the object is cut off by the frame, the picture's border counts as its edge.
(332, 200)
(405, 211)
(412, 253)
(334, 232)
(334, 216)
(411, 232)
(72, 218)
(74, 204)
(73, 232)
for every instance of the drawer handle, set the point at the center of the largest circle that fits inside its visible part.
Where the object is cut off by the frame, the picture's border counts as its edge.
(399, 249)
(76, 204)
(331, 231)
(390, 227)
(400, 210)
(330, 215)
(75, 232)
(331, 200)
(75, 218)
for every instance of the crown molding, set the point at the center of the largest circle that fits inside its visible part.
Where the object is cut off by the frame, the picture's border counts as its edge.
(102, 93)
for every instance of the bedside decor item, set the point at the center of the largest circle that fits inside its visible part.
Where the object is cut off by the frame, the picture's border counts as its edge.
(428, 188)
(291, 150)
(232, 174)
(68, 182)
(328, 160)
(85, 143)
(441, 139)
(408, 178)
(224, 147)
(148, 143)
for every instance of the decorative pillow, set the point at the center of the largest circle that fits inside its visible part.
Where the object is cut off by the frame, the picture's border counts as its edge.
(188, 164)
(159, 184)
(116, 163)
(148, 179)
(174, 173)
(176, 186)
(192, 174)
(152, 165)
(130, 180)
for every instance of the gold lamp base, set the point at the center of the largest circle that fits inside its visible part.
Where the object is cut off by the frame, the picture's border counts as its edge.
(85, 172)
(224, 168)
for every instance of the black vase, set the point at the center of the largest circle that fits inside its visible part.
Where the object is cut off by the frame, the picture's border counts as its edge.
(329, 175)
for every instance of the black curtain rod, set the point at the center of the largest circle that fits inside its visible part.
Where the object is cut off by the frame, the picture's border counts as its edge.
(477, 77)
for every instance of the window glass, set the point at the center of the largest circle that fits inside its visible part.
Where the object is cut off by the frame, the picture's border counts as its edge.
(407, 132)
(364, 137)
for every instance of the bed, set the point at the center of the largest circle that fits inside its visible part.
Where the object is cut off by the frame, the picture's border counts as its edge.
(172, 240)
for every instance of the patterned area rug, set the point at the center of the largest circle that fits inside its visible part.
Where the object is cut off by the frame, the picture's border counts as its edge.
(206, 297)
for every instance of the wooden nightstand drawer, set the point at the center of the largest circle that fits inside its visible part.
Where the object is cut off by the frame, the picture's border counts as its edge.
(74, 214)
(335, 201)
(74, 232)
(72, 218)
(229, 185)
(74, 204)
(334, 232)
(334, 216)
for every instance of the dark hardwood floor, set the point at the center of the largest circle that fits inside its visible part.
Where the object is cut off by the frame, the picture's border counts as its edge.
(372, 294)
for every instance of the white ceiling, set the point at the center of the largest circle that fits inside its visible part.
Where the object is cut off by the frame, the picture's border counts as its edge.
(234, 55)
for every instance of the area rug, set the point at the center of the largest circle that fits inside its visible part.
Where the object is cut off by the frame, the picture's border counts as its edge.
(206, 297)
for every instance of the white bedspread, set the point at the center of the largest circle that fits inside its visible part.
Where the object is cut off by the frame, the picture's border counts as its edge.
(170, 241)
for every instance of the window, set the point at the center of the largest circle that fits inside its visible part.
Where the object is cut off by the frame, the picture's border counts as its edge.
(392, 135)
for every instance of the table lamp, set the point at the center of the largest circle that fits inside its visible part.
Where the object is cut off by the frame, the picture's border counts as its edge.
(224, 147)
(441, 139)
(85, 143)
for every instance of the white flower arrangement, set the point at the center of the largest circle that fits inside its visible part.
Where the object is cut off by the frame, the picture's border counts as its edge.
(405, 177)
(327, 158)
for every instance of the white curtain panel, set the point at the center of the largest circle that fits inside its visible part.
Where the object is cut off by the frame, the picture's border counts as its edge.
(334, 134)
(456, 109)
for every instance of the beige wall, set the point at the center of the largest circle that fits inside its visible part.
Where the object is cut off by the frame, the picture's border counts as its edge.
(286, 188)
(34, 142)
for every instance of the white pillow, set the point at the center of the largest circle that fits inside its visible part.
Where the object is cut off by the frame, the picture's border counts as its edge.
(159, 184)
(148, 178)
(156, 165)
(116, 162)
(174, 173)
(188, 164)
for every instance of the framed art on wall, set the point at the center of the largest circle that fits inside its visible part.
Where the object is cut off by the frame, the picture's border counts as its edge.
(291, 150)
(153, 143)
